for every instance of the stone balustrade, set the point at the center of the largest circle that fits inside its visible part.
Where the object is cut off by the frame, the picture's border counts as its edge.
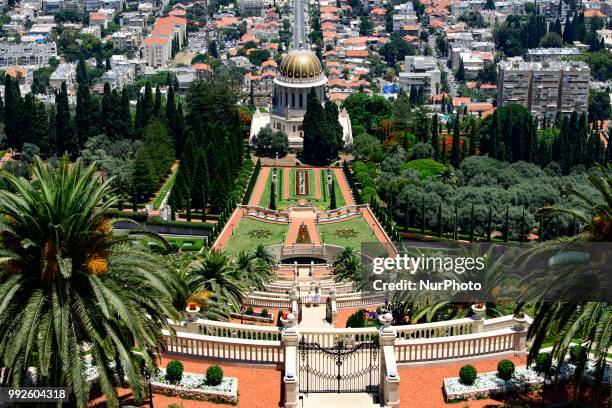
(254, 351)
(461, 346)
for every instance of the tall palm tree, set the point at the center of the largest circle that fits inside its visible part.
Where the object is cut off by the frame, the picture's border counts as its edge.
(68, 283)
(586, 323)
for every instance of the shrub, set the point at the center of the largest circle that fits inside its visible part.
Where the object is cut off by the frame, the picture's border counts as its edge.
(278, 318)
(542, 362)
(249, 310)
(174, 371)
(379, 310)
(505, 369)
(577, 354)
(468, 374)
(264, 312)
(357, 319)
(427, 167)
(214, 375)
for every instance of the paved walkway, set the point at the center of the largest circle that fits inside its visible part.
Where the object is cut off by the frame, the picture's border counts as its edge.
(298, 218)
(346, 400)
(317, 176)
(344, 188)
(286, 184)
(260, 184)
(314, 316)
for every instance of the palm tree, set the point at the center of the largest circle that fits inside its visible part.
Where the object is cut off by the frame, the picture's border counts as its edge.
(347, 265)
(585, 323)
(212, 272)
(68, 283)
(598, 221)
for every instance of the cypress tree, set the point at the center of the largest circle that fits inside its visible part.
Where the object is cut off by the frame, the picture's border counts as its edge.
(332, 197)
(423, 215)
(158, 103)
(81, 72)
(435, 138)
(126, 115)
(439, 219)
(455, 221)
(489, 225)
(523, 229)
(272, 205)
(455, 152)
(134, 198)
(63, 123)
(472, 224)
(472, 148)
(316, 149)
(506, 225)
(444, 149)
(493, 148)
(407, 217)
(148, 103)
(460, 75)
(13, 106)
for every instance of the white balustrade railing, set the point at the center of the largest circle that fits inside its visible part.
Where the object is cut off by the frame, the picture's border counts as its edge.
(227, 329)
(327, 337)
(437, 329)
(254, 351)
(267, 301)
(348, 300)
(468, 345)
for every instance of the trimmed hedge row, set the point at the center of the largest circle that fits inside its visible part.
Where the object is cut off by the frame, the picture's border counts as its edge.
(181, 224)
(252, 181)
(138, 216)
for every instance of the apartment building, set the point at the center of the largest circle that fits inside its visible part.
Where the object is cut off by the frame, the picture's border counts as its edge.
(544, 88)
(547, 54)
(253, 7)
(27, 53)
(421, 71)
(158, 46)
(65, 72)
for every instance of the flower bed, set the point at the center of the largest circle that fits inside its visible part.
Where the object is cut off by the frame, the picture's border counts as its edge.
(192, 386)
(489, 384)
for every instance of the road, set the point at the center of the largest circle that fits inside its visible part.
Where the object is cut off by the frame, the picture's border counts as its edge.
(442, 60)
(299, 30)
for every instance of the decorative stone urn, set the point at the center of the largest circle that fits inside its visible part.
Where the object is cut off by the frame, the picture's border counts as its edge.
(479, 309)
(289, 321)
(519, 321)
(192, 310)
(385, 319)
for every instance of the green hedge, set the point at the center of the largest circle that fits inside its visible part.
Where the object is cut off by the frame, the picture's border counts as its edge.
(180, 224)
(252, 181)
(138, 216)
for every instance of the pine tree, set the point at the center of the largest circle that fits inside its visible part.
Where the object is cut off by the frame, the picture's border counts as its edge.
(455, 149)
(435, 138)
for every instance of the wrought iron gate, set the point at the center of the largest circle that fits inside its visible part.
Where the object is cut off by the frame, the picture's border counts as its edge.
(345, 367)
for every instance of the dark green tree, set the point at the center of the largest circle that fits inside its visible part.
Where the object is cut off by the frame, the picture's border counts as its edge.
(456, 147)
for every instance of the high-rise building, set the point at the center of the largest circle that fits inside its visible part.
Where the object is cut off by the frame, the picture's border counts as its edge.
(544, 88)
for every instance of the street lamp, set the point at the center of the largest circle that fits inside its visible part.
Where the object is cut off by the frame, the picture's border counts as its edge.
(147, 375)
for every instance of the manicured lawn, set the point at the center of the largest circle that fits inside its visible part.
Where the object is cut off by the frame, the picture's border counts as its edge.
(294, 199)
(244, 237)
(356, 229)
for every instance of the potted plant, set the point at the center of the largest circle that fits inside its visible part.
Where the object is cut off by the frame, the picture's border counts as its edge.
(479, 309)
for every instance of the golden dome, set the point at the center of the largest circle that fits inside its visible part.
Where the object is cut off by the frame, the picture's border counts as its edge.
(300, 64)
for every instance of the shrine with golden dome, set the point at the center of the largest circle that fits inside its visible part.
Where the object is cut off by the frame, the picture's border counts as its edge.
(298, 73)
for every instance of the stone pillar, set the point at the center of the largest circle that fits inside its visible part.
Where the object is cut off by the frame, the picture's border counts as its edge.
(311, 268)
(295, 268)
(478, 317)
(293, 298)
(390, 380)
(332, 301)
(290, 339)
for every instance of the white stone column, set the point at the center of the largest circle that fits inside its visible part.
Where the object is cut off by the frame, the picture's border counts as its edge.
(390, 379)
(293, 298)
(480, 311)
(332, 301)
(290, 339)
